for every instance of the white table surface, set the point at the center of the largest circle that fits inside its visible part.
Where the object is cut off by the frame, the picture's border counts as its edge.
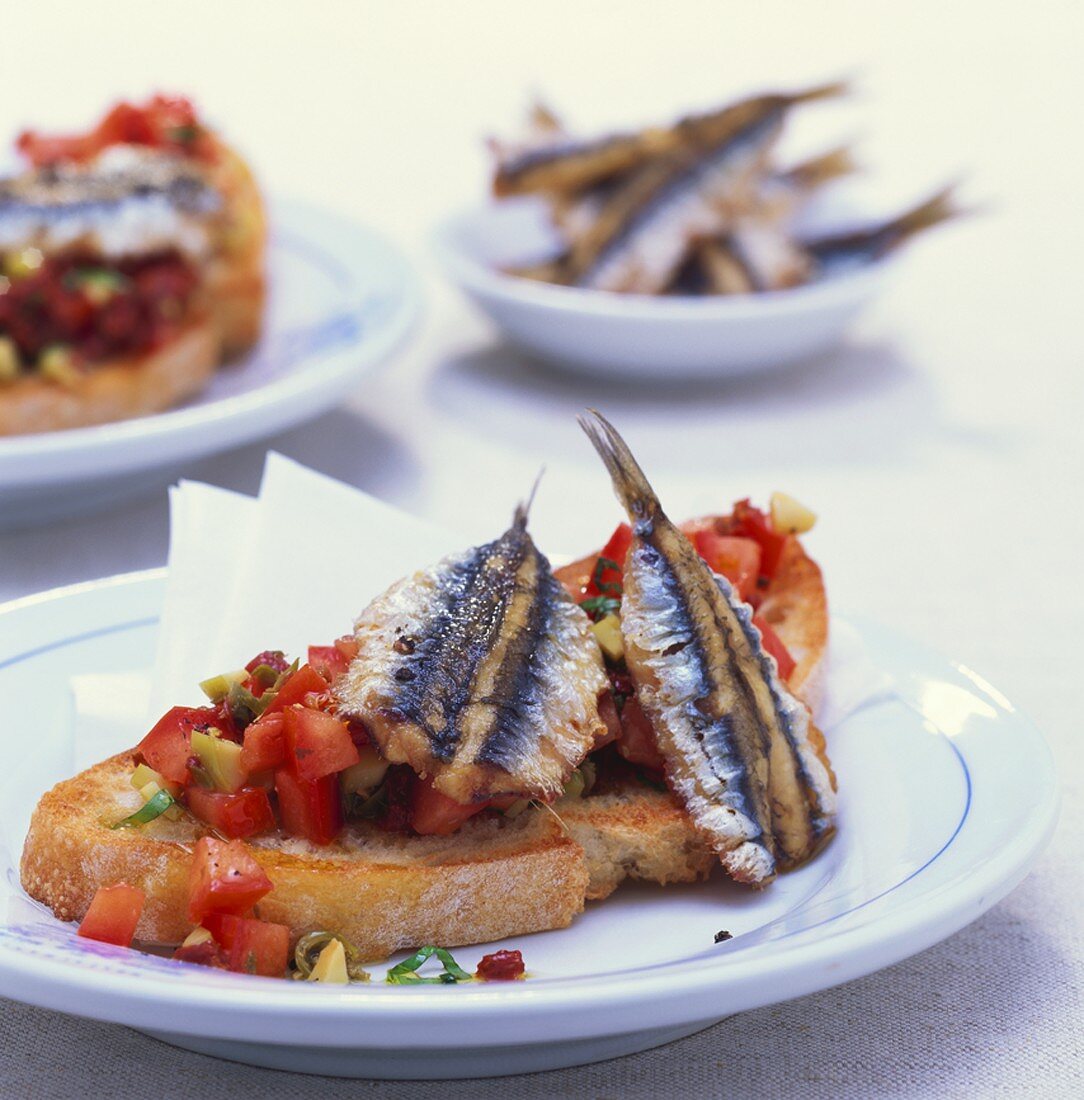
(942, 445)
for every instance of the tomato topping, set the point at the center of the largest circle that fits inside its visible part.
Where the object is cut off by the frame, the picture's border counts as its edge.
(310, 808)
(242, 814)
(256, 946)
(617, 550)
(318, 743)
(264, 744)
(347, 645)
(773, 644)
(329, 661)
(163, 122)
(168, 746)
(273, 658)
(113, 914)
(754, 524)
(305, 681)
(607, 711)
(435, 814)
(736, 558)
(224, 878)
(637, 743)
(207, 953)
(501, 966)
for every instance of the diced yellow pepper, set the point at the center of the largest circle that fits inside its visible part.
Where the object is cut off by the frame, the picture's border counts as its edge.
(608, 635)
(331, 965)
(10, 361)
(367, 773)
(221, 759)
(789, 517)
(17, 265)
(57, 364)
(217, 687)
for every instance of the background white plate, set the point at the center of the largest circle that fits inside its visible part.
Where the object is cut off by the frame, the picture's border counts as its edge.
(341, 298)
(947, 794)
(634, 335)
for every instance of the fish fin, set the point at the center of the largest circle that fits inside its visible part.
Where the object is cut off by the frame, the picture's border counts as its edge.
(820, 169)
(830, 90)
(630, 484)
(932, 211)
(523, 509)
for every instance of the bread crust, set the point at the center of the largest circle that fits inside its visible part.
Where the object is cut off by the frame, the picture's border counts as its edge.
(118, 390)
(382, 891)
(227, 323)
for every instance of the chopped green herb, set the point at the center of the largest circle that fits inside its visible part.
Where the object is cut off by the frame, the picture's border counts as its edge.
(614, 588)
(404, 973)
(598, 607)
(154, 807)
(184, 135)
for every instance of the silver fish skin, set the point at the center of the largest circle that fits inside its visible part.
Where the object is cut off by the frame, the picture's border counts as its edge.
(735, 741)
(127, 201)
(480, 673)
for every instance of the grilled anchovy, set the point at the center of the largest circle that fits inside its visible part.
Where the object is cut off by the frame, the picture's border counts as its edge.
(126, 201)
(846, 250)
(735, 741)
(480, 672)
(643, 232)
(559, 165)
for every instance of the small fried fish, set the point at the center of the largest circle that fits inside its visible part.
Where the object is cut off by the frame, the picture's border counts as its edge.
(480, 672)
(843, 251)
(736, 743)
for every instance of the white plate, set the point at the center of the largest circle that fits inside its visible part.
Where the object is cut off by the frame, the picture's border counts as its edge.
(341, 299)
(947, 795)
(633, 335)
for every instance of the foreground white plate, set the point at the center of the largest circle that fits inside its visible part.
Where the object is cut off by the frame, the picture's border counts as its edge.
(341, 299)
(947, 795)
(632, 335)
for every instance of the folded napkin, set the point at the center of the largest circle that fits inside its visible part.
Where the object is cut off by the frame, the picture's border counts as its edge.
(293, 567)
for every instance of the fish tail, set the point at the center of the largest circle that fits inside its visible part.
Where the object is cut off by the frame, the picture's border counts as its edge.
(934, 210)
(819, 91)
(631, 486)
(820, 169)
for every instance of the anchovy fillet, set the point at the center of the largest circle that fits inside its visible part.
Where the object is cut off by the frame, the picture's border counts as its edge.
(735, 741)
(480, 672)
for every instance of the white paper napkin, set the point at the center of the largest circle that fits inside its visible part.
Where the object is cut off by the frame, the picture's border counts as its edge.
(294, 567)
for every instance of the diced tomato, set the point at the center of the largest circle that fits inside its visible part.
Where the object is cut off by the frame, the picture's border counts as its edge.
(113, 914)
(224, 878)
(347, 645)
(258, 946)
(318, 744)
(329, 661)
(773, 644)
(207, 953)
(264, 744)
(735, 557)
(435, 814)
(163, 122)
(637, 743)
(607, 711)
(754, 524)
(242, 814)
(167, 747)
(310, 808)
(305, 681)
(501, 966)
(617, 550)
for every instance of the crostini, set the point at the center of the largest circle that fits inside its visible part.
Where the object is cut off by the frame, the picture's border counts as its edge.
(131, 265)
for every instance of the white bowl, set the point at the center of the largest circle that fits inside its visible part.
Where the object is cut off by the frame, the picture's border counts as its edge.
(633, 335)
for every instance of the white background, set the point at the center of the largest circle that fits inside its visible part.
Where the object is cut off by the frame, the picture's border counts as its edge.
(942, 445)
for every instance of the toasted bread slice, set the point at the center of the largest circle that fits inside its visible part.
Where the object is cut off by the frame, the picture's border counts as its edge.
(134, 385)
(493, 879)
